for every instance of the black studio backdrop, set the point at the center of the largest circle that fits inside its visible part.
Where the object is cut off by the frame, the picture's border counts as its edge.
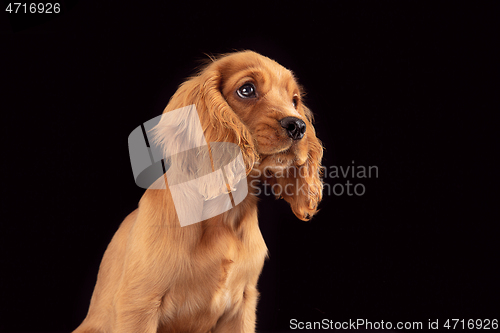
(409, 88)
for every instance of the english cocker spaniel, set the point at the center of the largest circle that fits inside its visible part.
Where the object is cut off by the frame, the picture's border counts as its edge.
(157, 276)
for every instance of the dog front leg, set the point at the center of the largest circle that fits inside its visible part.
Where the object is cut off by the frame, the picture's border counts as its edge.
(241, 318)
(136, 313)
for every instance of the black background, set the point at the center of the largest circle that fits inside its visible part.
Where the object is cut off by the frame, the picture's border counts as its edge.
(409, 87)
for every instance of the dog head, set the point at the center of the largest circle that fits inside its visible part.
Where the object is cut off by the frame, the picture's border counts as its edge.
(251, 100)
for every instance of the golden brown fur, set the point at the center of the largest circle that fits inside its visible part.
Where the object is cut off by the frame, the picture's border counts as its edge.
(159, 277)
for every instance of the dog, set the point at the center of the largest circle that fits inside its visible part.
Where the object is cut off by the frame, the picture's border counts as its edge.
(157, 276)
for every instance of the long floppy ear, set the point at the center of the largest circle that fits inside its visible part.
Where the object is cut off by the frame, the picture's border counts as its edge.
(302, 186)
(196, 117)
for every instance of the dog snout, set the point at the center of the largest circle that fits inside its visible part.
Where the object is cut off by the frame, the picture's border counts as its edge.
(295, 127)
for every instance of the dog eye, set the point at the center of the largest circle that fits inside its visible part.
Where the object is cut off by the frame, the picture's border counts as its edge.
(247, 91)
(295, 101)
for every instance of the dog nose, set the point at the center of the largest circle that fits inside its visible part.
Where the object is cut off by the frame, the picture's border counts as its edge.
(295, 127)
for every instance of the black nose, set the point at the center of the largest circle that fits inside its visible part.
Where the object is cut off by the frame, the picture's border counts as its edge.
(295, 127)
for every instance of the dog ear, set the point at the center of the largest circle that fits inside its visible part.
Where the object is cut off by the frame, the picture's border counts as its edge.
(200, 134)
(302, 186)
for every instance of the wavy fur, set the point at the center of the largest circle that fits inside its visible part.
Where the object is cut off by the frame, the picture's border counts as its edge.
(156, 276)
